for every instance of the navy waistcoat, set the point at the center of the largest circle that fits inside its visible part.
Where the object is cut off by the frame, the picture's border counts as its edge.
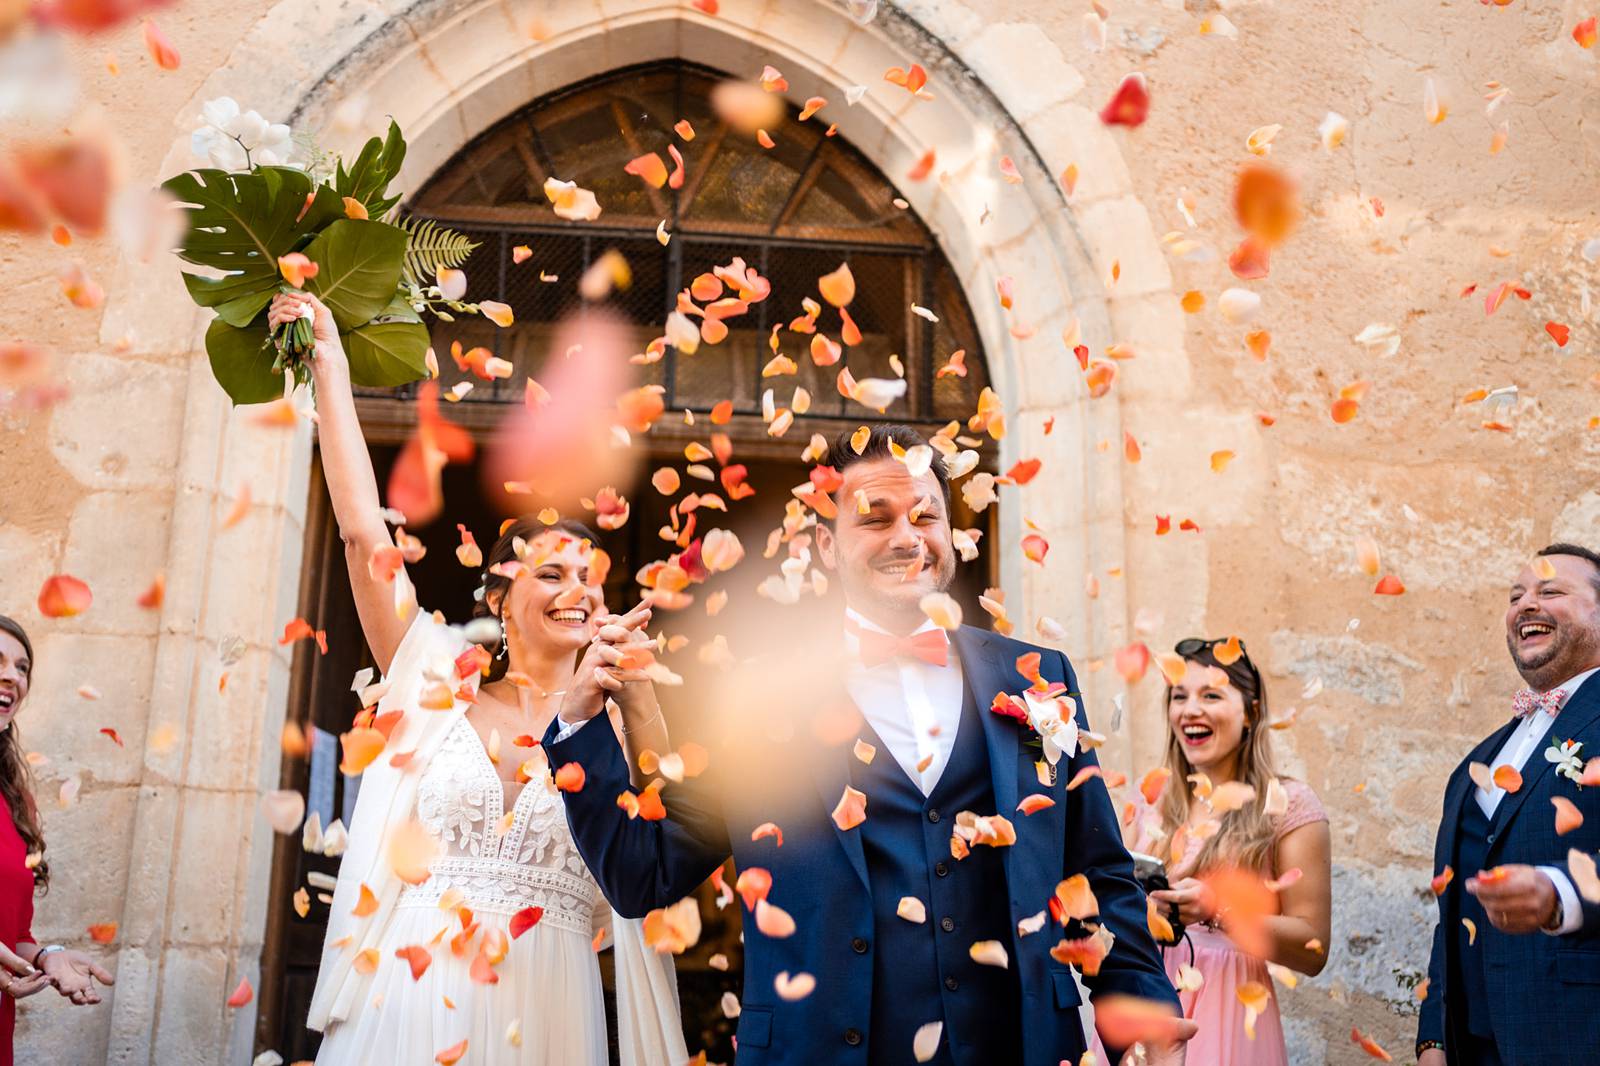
(923, 972)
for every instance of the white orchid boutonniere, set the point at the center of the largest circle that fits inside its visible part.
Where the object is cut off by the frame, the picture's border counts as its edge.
(1568, 757)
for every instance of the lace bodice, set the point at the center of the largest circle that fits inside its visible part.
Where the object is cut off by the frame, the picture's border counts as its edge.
(499, 864)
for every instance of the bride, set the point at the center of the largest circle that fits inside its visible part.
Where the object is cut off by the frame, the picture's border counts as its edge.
(487, 954)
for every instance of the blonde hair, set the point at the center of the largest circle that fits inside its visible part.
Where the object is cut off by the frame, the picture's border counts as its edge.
(1245, 836)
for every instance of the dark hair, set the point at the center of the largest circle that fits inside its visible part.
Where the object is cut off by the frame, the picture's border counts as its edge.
(16, 777)
(528, 527)
(1580, 552)
(842, 453)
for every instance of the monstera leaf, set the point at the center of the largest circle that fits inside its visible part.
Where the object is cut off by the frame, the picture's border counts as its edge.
(241, 361)
(369, 176)
(358, 268)
(386, 354)
(240, 224)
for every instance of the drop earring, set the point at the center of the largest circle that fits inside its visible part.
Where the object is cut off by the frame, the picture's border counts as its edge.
(503, 652)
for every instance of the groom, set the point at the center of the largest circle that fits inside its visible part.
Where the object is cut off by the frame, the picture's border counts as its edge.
(922, 929)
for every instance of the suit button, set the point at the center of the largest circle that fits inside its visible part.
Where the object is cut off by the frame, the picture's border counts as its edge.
(947, 924)
(1490, 839)
(942, 869)
(852, 1037)
(933, 815)
(950, 983)
(859, 946)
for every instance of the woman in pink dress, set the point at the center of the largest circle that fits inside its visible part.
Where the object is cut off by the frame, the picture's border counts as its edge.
(25, 966)
(1235, 838)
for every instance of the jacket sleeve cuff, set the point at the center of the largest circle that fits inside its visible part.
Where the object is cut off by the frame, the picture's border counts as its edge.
(1571, 907)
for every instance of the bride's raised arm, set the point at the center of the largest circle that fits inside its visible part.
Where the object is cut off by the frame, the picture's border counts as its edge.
(352, 485)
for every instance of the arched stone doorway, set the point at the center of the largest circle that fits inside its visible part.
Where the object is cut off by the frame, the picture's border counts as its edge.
(794, 213)
(449, 71)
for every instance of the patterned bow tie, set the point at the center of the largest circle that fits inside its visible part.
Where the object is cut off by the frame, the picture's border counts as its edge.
(1528, 701)
(932, 646)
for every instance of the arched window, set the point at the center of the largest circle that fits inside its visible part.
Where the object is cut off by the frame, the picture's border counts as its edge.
(794, 212)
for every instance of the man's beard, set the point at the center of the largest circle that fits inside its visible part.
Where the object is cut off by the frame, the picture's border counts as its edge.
(1536, 668)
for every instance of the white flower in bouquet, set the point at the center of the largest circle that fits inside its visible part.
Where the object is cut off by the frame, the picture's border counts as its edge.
(235, 140)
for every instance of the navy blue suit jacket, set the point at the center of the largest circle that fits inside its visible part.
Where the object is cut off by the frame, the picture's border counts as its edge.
(1543, 990)
(820, 873)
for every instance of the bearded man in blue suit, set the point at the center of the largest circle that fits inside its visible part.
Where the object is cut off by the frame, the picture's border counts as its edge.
(929, 936)
(1514, 978)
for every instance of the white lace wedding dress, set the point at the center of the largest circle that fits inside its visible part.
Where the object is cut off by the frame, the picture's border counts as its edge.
(547, 1006)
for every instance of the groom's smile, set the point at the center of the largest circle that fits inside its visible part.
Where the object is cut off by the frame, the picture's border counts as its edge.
(891, 542)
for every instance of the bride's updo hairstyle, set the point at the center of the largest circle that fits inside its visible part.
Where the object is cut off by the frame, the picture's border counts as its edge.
(528, 528)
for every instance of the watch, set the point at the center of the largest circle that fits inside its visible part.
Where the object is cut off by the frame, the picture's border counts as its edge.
(48, 949)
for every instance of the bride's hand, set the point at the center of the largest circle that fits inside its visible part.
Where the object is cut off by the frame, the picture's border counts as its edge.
(628, 651)
(328, 351)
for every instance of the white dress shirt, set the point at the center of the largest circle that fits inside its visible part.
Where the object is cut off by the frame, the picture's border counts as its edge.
(914, 706)
(1520, 746)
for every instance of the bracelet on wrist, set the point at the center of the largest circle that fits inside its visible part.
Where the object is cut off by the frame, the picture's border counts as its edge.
(649, 721)
(1429, 1045)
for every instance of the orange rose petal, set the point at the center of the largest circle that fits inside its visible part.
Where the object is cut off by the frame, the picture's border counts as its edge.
(851, 810)
(1035, 803)
(63, 596)
(1129, 105)
(1132, 661)
(1151, 786)
(1369, 1045)
(241, 995)
(1389, 585)
(160, 49)
(839, 286)
(1508, 778)
(1568, 817)
(648, 168)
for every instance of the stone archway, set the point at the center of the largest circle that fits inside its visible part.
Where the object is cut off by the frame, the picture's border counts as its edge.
(446, 72)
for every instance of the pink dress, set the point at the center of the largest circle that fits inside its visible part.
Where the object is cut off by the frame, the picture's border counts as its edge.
(1215, 1004)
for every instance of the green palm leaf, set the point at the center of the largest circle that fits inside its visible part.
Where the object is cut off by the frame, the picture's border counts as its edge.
(358, 271)
(240, 224)
(369, 176)
(384, 354)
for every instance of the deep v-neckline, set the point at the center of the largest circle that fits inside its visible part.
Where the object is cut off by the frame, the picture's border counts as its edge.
(487, 765)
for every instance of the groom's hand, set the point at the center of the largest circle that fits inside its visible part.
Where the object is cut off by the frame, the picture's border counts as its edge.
(1518, 899)
(1169, 1052)
(1125, 1021)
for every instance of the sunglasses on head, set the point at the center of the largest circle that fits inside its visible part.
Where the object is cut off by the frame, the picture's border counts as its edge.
(1193, 646)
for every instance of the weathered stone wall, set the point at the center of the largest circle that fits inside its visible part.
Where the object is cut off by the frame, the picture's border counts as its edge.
(133, 473)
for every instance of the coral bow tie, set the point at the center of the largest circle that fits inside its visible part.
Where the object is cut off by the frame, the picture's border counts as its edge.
(932, 646)
(1528, 701)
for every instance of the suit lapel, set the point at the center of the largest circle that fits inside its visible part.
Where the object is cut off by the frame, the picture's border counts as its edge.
(985, 674)
(832, 776)
(1581, 711)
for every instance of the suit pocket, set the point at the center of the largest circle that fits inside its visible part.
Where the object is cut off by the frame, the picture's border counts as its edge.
(755, 1027)
(1067, 996)
(1578, 966)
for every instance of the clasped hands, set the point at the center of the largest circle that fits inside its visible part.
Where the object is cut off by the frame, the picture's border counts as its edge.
(613, 666)
(71, 973)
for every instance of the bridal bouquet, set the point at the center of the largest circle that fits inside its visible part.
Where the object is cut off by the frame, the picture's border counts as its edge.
(265, 226)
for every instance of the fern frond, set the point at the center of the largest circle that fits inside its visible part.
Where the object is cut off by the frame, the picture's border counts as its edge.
(430, 248)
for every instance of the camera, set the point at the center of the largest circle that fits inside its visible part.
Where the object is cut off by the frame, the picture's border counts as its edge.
(1151, 873)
